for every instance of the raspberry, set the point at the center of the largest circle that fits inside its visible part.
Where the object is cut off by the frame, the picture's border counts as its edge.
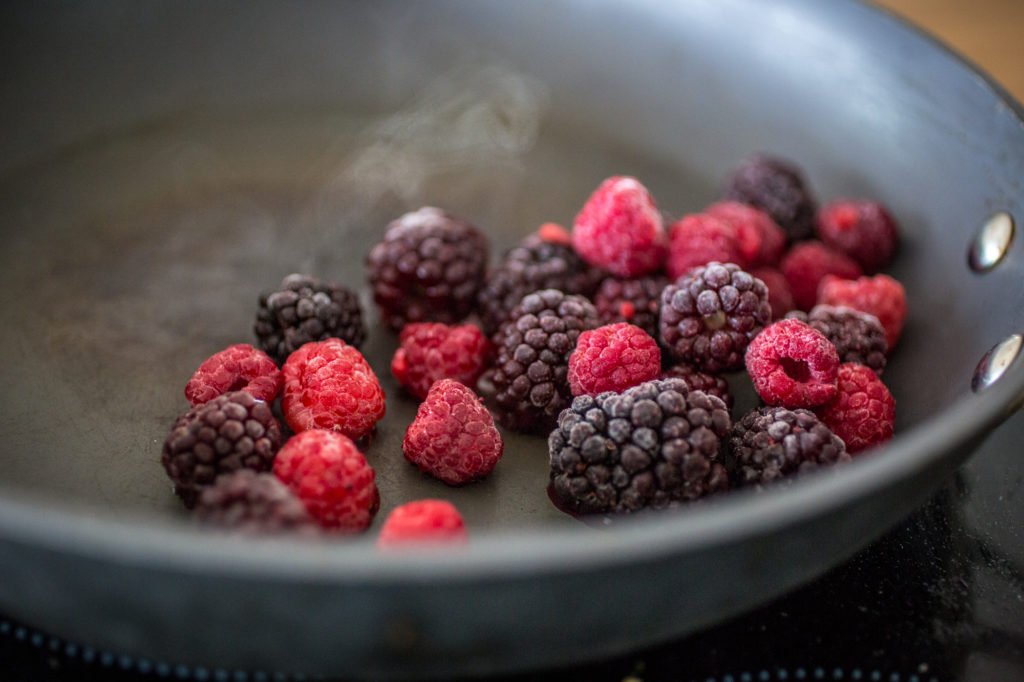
(653, 445)
(699, 239)
(860, 228)
(777, 187)
(329, 385)
(792, 364)
(613, 358)
(251, 502)
(632, 300)
(422, 521)
(771, 443)
(709, 316)
(696, 380)
(858, 337)
(430, 351)
(326, 471)
(620, 229)
(807, 263)
(307, 309)
(541, 261)
(863, 411)
(880, 295)
(453, 437)
(229, 432)
(761, 241)
(428, 267)
(528, 383)
(780, 298)
(236, 368)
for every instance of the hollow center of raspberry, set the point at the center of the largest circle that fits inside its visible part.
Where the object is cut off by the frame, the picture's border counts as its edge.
(797, 370)
(239, 384)
(715, 320)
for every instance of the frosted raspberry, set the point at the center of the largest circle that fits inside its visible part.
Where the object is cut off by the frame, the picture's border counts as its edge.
(620, 229)
(779, 296)
(430, 351)
(331, 477)
(860, 228)
(881, 296)
(761, 241)
(863, 411)
(236, 368)
(453, 437)
(793, 365)
(807, 263)
(699, 239)
(329, 385)
(613, 358)
(423, 521)
(857, 336)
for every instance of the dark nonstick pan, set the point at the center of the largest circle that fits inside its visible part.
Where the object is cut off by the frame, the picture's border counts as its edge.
(163, 163)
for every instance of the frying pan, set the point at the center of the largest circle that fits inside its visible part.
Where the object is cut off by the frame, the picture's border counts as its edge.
(161, 164)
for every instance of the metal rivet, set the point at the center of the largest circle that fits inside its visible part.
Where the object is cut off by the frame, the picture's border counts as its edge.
(995, 362)
(992, 242)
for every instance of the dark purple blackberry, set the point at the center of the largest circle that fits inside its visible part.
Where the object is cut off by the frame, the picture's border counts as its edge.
(857, 336)
(251, 502)
(528, 384)
(631, 300)
(654, 445)
(428, 268)
(777, 187)
(307, 309)
(233, 431)
(770, 443)
(535, 264)
(709, 315)
(697, 380)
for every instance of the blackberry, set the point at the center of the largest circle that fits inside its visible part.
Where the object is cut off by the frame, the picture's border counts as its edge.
(710, 315)
(631, 300)
(654, 445)
(776, 186)
(536, 263)
(307, 309)
(528, 383)
(230, 432)
(697, 380)
(251, 502)
(770, 443)
(858, 337)
(428, 268)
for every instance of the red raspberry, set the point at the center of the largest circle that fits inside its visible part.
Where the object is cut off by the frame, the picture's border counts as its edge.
(863, 411)
(453, 436)
(698, 239)
(431, 350)
(613, 358)
(807, 263)
(236, 368)
(332, 478)
(780, 298)
(881, 296)
(792, 365)
(761, 240)
(620, 229)
(555, 233)
(329, 385)
(860, 228)
(422, 521)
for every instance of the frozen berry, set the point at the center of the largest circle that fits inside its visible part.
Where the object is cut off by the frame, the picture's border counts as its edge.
(633, 300)
(793, 365)
(881, 296)
(863, 411)
(329, 385)
(620, 229)
(236, 368)
(780, 298)
(699, 239)
(453, 437)
(807, 263)
(860, 228)
(229, 432)
(696, 380)
(770, 443)
(251, 502)
(709, 316)
(430, 351)
(653, 445)
(326, 471)
(428, 267)
(857, 336)
(307, 309)
(761, 241)
(423, 521)
(613, 358)
(777, 187)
